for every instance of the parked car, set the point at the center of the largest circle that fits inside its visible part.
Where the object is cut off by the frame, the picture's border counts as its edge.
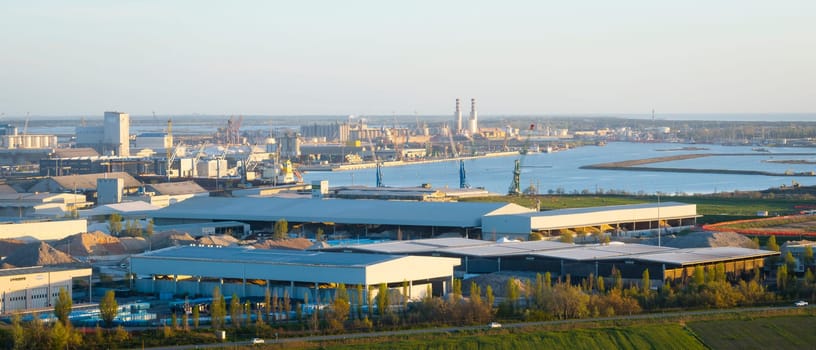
(257, 341)
(801, 303)
(494, 325)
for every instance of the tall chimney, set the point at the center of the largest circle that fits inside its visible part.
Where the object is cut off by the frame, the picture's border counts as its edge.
(458, 116)
(473, 124)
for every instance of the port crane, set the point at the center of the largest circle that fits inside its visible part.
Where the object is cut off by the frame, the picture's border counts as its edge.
(515, 185)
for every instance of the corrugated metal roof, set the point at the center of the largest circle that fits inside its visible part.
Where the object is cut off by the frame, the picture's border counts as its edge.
(270, 256)
(342, 211)
(86, 181)
(705, 255)
(557, 212)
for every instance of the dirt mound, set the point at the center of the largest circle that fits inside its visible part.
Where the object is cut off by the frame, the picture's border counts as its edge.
(90, 244)
(38, 254)
(705, 239)
(222, 240)
(8, 246)
(170, 238)
(293, 243)
(134, 245)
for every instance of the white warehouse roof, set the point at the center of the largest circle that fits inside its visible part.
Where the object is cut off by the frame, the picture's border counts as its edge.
(342, 211)
(524, 223)
(289, 265)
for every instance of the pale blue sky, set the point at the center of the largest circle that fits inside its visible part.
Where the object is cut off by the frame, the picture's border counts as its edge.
(379, 57)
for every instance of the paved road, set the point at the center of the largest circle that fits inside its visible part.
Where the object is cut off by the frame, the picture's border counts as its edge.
(482, 327)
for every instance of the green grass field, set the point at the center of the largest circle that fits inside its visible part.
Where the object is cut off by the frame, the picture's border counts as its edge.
(789, 332)
(667, 336)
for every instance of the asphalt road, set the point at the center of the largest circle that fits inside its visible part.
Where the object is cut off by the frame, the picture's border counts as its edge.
(318, 338)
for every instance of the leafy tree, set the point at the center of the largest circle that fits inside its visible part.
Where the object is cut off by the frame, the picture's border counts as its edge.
(267, 304)
(218, 309)
(772, 245)
(489, 296)
(17, 332)
(512, 291)
(601, 287)
(808, 255)
(340, 309)
(782, 277)
(319, 235)
(60, 336)
(567, 236)
(286, 304)
(790, 261)
(536, 236)
(360, 301)
(115, 224)
(108, 308)
(382, 299)
(457, 288)
(281, 229)
(235, 311)
(646, 285)
(62, 307)
(196, 316)
(150, 228)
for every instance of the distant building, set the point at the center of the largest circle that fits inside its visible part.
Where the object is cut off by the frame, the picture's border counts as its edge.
(331, 132)
(157, 141)
(112, 138)
(31, 288)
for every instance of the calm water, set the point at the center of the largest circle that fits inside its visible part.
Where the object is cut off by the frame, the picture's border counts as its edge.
(561, 170)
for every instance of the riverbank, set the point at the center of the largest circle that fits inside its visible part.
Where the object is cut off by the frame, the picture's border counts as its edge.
(394, 163)
(633, 165)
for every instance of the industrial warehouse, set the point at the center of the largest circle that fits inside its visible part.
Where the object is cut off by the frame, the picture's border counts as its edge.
(37, 287)
(248, 272)
(561, 259)
(488, 221)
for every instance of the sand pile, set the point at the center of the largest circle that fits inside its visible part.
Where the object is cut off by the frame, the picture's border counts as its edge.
(38, 254)
(170, 239)
(90, 244)
(222, 240)
(293, 243)
(134, 245)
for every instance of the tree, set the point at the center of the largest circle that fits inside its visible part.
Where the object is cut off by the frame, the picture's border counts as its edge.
(60, 335)
(150, 228)
(567, 236)
(782, 277)
(108, 308)
(536, 236)
(62, 307)
(115, 224)
(281, 229)
(646, 282)
(196, 316)
(340, 308)
(267, 304)
(772, 245)
(319, 235)
(382, 299)
(359, 301)
(17, 332)
(235, 311)
(489, 296)
(218, 309)
(808, 256)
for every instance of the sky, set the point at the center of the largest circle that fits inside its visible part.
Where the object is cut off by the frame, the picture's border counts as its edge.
(542, 57)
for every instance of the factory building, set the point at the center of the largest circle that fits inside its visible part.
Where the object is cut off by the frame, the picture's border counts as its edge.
(489, 221)
(112, 138)
(36, 288)
(561, 259)
(624, 218)
(157, 141)
(248, 272)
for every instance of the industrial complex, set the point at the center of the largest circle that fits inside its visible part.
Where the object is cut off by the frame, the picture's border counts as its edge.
(247, 272)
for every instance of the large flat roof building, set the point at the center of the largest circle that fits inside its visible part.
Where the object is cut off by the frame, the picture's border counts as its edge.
(245, 271)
